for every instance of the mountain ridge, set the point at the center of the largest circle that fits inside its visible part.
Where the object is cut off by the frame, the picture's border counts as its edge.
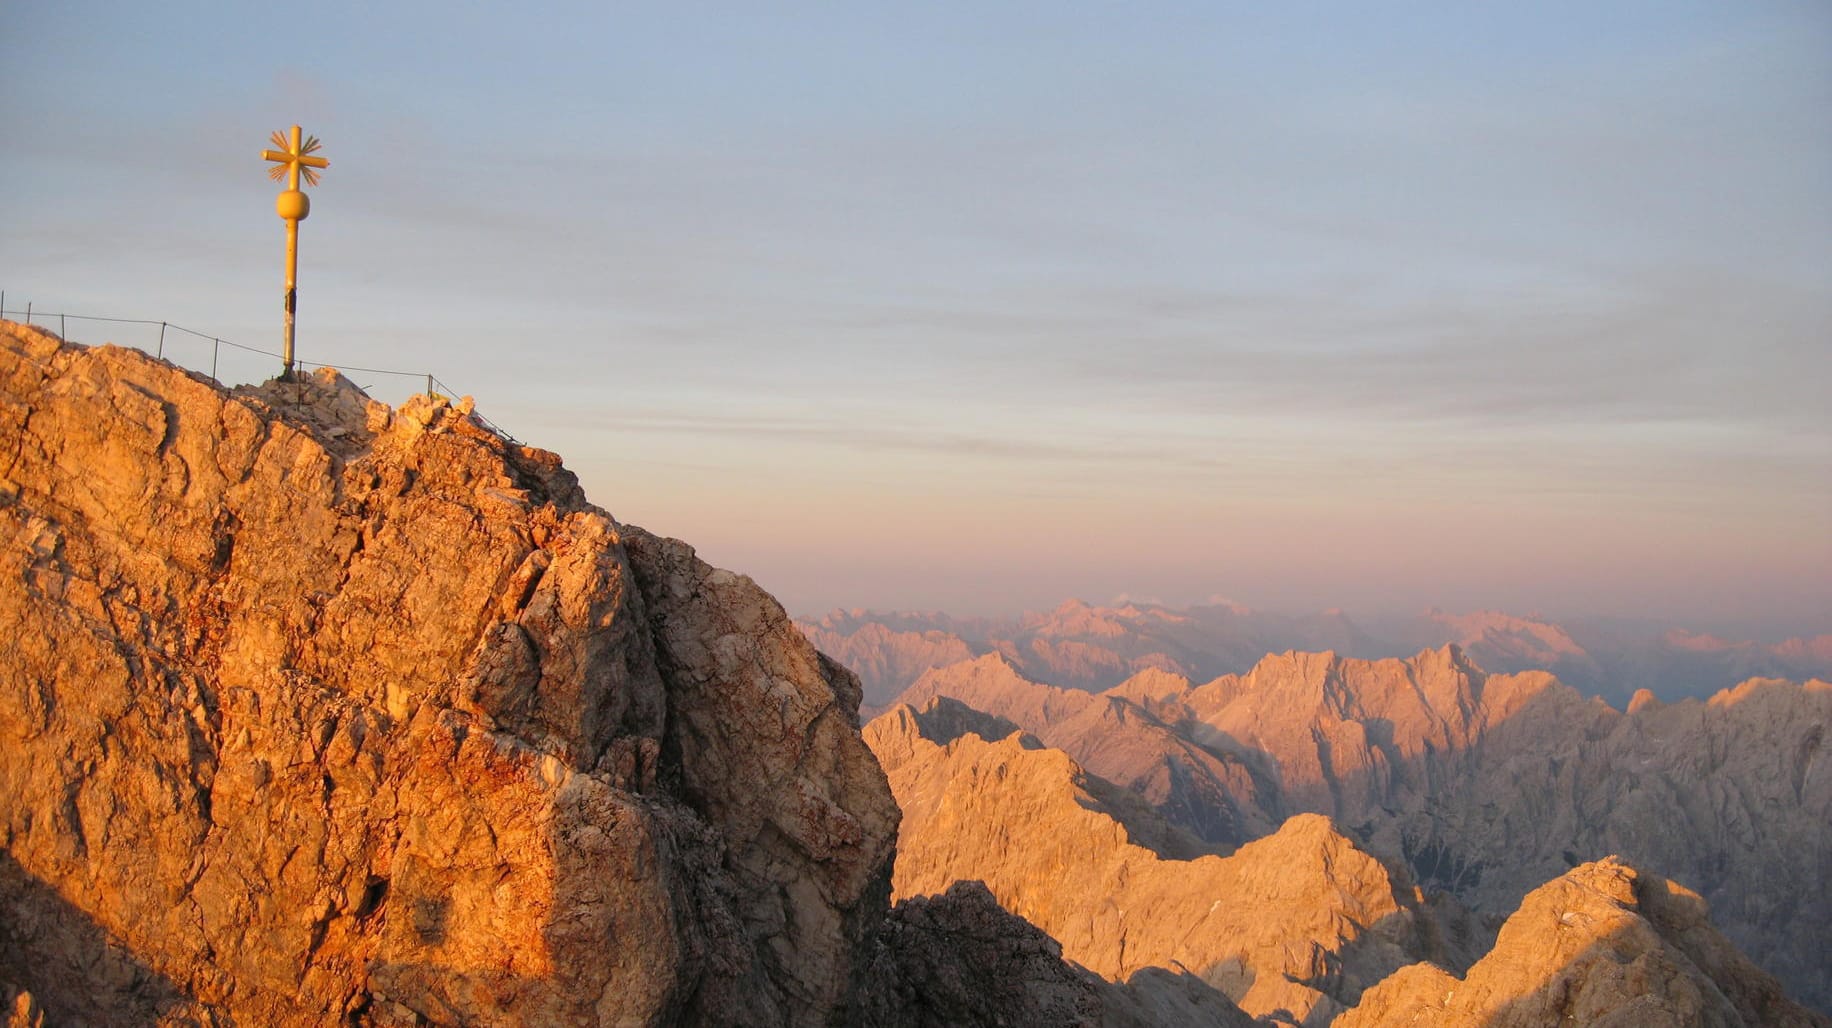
(1086, 646)
(1482, 785)
(1301, 926)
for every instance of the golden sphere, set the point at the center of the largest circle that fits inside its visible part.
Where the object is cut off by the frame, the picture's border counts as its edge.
(293, 205)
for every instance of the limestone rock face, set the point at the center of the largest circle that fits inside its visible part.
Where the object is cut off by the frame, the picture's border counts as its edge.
(1602, 945)
(1485, 785)
(1216, 795)
(1299, 922)
(316, 709)
(763, 742)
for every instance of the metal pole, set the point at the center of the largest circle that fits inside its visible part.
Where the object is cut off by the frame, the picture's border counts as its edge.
(292, 264)
(62, 334)
(28, 312)
(292, 294)
(215, 344)
(162, 340)
(429, 386)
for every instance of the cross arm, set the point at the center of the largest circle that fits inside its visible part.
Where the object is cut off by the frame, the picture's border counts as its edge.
(283, 156)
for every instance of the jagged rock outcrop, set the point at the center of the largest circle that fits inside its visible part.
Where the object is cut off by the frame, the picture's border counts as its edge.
(1603, 945)
(1299, 922)
(318, 710)
(1489, 785)
(1214, 795)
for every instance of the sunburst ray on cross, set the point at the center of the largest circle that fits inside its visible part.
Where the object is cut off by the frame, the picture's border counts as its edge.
(287, 158)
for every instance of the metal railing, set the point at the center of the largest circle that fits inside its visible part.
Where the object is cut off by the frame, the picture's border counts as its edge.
(43, 320)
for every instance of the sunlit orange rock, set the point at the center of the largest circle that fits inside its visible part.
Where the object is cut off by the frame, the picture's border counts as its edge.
(318, 710)
(1604, 944)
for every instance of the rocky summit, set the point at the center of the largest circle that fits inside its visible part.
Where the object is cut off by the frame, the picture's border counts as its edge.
(318, 711)
(1602, 945)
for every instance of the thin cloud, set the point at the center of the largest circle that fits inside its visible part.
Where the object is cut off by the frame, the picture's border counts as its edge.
(908, 439)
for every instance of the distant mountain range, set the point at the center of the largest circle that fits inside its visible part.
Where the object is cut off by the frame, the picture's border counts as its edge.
(1477, 787)
(1087, 647)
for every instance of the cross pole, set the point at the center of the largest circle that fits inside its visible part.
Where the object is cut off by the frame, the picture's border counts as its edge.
(293, 161)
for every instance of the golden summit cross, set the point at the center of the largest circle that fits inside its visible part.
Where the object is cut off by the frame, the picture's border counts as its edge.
(293, 161)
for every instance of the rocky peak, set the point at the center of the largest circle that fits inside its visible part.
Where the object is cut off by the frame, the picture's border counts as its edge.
(1604, 944)
(323, 710)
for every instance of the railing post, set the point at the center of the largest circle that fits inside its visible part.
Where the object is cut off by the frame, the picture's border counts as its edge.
(61, 333)
(429, 386)
(162, 340)
(28, 312)
(215, 344)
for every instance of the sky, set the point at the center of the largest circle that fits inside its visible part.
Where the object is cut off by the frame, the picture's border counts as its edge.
(976, 307)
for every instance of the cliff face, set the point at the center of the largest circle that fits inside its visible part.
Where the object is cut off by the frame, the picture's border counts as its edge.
(317, 709)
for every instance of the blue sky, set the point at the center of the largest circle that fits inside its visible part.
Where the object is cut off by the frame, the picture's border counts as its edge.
(980, 306)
